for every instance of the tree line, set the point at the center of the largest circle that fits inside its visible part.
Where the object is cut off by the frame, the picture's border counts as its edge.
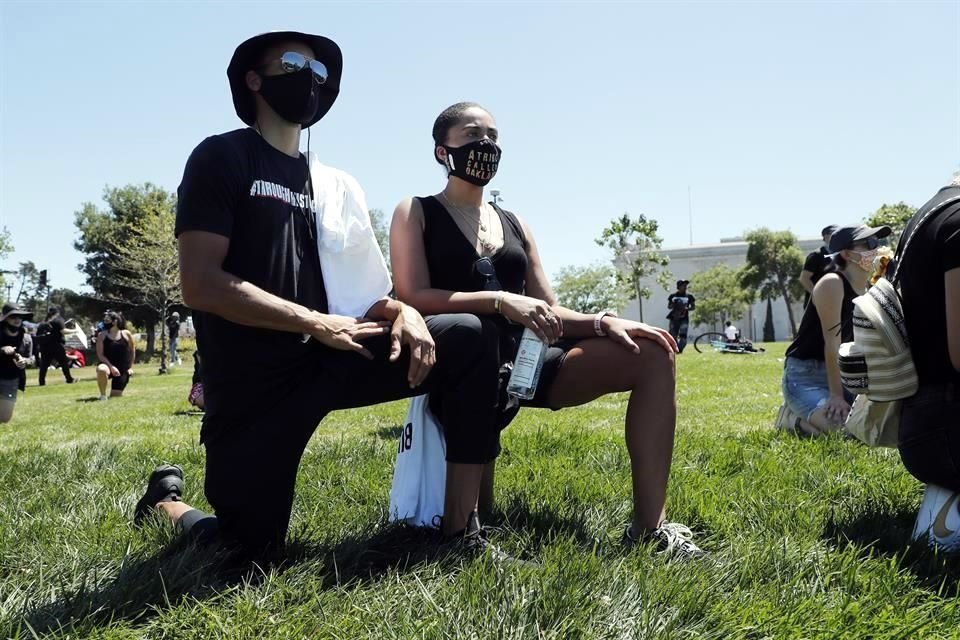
(130, 264)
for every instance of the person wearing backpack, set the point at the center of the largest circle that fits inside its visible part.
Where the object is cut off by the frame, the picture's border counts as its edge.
(929, 436)
(812, 389)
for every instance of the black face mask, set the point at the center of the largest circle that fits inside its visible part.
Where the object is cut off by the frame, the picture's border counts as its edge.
(107, 325)
(475, 162)
(294, 96)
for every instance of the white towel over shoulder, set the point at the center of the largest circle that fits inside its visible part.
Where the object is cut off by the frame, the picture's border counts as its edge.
(355, 274)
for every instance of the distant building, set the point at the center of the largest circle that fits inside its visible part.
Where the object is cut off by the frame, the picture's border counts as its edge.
(687, 262)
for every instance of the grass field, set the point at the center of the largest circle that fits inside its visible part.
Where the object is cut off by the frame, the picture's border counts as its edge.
(807, 539)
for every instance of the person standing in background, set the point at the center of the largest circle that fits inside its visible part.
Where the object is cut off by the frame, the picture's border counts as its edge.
(50, 339)
(680, 304)
(173, 330)
(816, 263)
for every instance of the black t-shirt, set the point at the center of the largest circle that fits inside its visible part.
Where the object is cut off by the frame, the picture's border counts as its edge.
(809, 343)
(816, 263)
(680, 305)
(22, 345)
(238, 186)
(50, 332)
(934, 251)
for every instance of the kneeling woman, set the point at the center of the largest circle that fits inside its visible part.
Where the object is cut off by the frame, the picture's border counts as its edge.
(454, 253)
(115, 351)
(811, 372)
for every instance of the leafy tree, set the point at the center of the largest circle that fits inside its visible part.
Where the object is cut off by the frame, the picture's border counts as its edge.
(147, 264)
(6, 248)
(895, 216)
(102, 231)
(636, 248)
(590, 289)
(720, 295)
(774, 262)
(27, 285)
(382, 231)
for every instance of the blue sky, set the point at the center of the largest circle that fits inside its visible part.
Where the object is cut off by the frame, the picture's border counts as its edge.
(787, 114)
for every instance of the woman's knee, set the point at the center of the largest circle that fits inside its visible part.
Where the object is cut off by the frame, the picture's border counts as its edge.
(104, 369)
(654, 360)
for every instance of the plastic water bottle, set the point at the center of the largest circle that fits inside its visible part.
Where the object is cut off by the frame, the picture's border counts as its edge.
(527, 367)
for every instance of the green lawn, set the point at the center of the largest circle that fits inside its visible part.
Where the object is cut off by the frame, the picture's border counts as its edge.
(807, 539)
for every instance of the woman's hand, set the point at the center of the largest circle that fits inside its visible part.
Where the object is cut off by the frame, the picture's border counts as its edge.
(114, 372)
(837, 409)
(8, 351)
(345, 333)
(626, 332)
(19, 361)
(533, 314)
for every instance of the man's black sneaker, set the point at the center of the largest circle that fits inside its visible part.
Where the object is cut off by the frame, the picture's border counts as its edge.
(473, 542)
(165, 485)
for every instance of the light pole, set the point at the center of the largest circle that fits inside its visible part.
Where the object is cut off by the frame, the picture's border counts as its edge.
(496, 196)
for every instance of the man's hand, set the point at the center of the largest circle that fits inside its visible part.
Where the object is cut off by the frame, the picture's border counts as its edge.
(623, 332)
(8, 351)
(411, 331)
(19, 361)
(345, 334)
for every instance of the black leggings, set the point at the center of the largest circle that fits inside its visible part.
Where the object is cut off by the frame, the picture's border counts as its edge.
(252, 464)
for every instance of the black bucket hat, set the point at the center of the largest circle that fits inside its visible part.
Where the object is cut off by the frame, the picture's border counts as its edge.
(10, 309)
(247, 56)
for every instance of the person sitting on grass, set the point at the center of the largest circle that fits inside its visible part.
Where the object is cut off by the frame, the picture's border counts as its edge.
(811, 384)
(454, 253)
(16, 353)
(115, 351)
(276, 358)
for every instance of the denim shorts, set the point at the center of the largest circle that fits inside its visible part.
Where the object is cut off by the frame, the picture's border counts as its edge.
(930, 435)
(805, 387)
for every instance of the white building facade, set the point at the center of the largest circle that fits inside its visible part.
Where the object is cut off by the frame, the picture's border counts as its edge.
(687, 262)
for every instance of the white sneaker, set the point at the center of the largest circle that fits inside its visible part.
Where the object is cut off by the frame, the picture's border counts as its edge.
(939, 519)
(103, 398)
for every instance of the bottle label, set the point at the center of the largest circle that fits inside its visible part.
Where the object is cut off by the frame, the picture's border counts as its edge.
(526, 364)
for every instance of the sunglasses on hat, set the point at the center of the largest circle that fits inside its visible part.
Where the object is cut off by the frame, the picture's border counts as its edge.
(870, 243)
(291, 62)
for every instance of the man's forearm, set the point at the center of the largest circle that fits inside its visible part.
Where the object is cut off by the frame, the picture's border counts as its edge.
(244, 303)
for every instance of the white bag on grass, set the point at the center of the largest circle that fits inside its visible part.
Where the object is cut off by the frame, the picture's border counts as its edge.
(420, 473)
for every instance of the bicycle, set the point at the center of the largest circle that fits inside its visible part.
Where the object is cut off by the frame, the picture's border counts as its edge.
(719, 342)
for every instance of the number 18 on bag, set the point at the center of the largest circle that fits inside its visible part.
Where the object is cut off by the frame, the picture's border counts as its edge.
(527, 366)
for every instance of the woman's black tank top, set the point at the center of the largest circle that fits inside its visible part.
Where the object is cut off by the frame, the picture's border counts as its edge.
(452, 258)
(809, 344)
(116, 351)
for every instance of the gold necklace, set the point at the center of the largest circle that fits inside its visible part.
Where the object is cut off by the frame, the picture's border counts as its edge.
(464, 215)
(485, 242)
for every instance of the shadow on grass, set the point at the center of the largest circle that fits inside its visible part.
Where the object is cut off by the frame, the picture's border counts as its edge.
(887, 533)
(93, 399)
(188, 412)
(389, 433)
(147, 586)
